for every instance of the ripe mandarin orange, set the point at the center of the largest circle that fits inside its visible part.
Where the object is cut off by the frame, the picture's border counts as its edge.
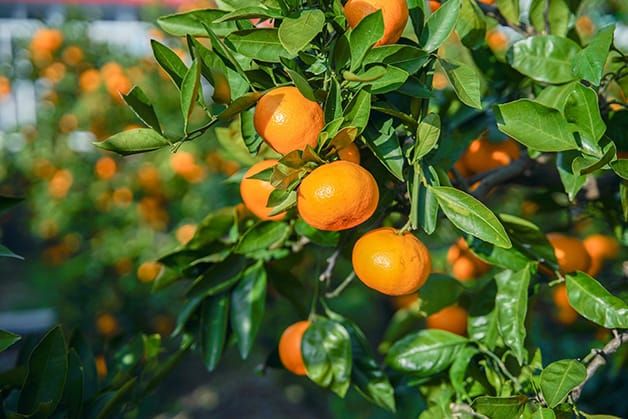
(600, 248)
(452, 319)
(570, 253)
(464, 269)
(350, 153)
(287, 120)
(107, 325)
(394, 12)
(337, 196)
(255, 192)
(483, 155)
(391, 263)
(464, 264)
(404, 301)
(434, 5)
(290, 347)
(148, 271)
(185, 233)
(565, 314)
(105, 168)
(497, 40)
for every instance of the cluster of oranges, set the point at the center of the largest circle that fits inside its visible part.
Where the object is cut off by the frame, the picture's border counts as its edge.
(464, 264)
(44, 44)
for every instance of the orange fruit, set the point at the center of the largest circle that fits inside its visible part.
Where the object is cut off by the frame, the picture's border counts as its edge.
(452, 319)
(255, 192)
(404, 301)
(585, 26)
(464, 264)
(570, 253)
(487, 1)
(46, 40)
(5, 87)
(287, 120)
(464, 269)
(482, 155)
(122, 197)
(72, 55)
(565, 314)
(101, 366)
(60, 184)
(185, 233)
(54, 72)
(290, 347)
(434, 5)
(89, 80)
(68, 123)
(148, 177)
(337, 196)
(462, 168)
(439, 81)
(350, 153)
(107, 325)
(105, 168)
(391, 263)
(497, 40)
(394, 12)
(149, 271)
(600, 248)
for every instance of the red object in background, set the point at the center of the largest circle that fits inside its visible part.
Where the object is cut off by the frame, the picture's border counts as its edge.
(170, 3)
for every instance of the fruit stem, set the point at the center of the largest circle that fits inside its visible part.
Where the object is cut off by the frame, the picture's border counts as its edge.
(335, 293)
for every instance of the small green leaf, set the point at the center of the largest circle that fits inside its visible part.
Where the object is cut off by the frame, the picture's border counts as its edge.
(440, 25)
(251, 12)
(471, 24)
(544, 58)
(589, 298)
(138, 140)
(6, 252)
(213, 329)
(588, 64)
(296, 34)
(265, 235)
(439, 291)
(248, 300)
(427, 136)
(535, 126)
(169, 61)
(7, 339)
(364, 36)
(385, 145)
(302, 84)
(465, 80)
(512, 307)
(582, 110)
(471, 216)
(572, 182)
(191, 23)
(358, 111)
(425, 353)
(190, 91)
(219, 277)
(259, 44)
(559, 378)
(142, 107)
(510, 9)
(405, 57)
(555, 13)
(240, 105)
(457, 372)
(500, 407)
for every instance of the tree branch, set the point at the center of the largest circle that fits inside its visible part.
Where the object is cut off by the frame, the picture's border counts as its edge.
(331, 264)
(501, 175)
(597, 358)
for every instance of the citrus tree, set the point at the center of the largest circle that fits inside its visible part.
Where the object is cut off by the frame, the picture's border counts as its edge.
(382, 132)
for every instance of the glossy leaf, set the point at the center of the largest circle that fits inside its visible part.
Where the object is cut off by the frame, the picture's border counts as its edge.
(358, 111)
(326, 349)
(296, 34)
(510, 9)
(265, 235)
(589, 298)
(457, 372)
(559, 378)
(427, 135)
(302, 84)
(142, 107)
(572, 182)
(482, 324)
(471, 216)
(535, 126)
(439, 291)
(544, 58)
(191, 23)
(555, 13)
(364, 36)
(220, 277)
(133, 141)
(425, 353)
(500, 407)
(213, 329)
(248, 301)
(405, 57)
(582, 110)
(190, 91)
(259, 44)
(471, 25)
(251, 12)
(588, 64)
(465, 80)
(47, 370)
(512, 307)
(7, 339)
(169, 61)
(240, 105)
(440, 25)
(385, 146)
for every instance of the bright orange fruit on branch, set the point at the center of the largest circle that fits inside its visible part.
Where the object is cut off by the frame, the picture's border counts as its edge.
(452, 319)
(394, 12)
(570, 253)
(483, 155)
(566, 314)
(149, 271)
(434, 5)
(350, 153)
(255, 192)
(290, 347)
(106, 168)
(287, 120)
(391, 263)
(600, 248)
(337, 196)
(464, 264)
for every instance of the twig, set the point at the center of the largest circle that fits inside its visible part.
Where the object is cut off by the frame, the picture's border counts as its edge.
(331, 264)
(501, 366)
(344, 284)
(597, 358)
(502, 175)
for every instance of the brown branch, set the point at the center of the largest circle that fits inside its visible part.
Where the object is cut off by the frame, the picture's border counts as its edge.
(501, 175)
(331, 264)
(597, 358)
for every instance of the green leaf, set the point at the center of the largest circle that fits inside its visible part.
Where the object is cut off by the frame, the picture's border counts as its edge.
(465, 80)
(440, 25)
(108, 404)
(364, 36)
(190, 91)
(556, 96)
(458, 370)
(248, 300)
(358, 111)
(385, 145)
(251, 12)
(544, 413)
(191, 23)
(482, 322)
(142, 107)
(557, 16)
(373, 73)
(138, 140)
(47, 370)
(582, 110)
(589, 298)
(510, 9)
(425, 353)
(620, 167)
(471, 25)
(169, 61)
(88, 364)
(333, 102)
(512, 306)
(219, 277)
(392, 80)
(439, 291)
(405, 57)
(428, 133)
(296, 34)
(265, 235)
(535, 126)
(500, 407)
(471, 216)
(302, 84)
(572, 182)
(214, 317)
(559, 378)
(326, 349)
(7, 339)
(588, 64)
(6, 252)
(319, 237)
(72, 399)
(259, 44)
(544, 58)
(240, 105)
